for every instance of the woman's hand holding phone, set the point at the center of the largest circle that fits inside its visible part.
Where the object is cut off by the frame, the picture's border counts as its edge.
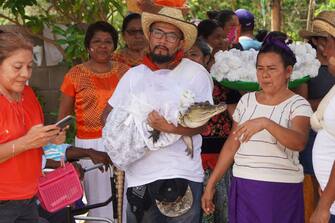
(40, 135)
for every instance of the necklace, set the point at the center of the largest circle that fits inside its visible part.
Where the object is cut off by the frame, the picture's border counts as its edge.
(15, 98)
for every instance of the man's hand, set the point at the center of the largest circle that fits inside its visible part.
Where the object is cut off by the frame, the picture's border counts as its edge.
(100, 157)
(158, 122)
(79, 169)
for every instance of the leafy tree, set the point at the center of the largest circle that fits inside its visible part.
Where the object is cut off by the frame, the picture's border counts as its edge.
(294, 12)
(33, 15)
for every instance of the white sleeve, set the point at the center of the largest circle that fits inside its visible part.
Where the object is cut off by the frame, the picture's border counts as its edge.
(122, 91)
(240, 108)
(301, 107)
(202, 87)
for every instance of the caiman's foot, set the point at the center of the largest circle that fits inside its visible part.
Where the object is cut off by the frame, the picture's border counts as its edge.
(189, 145)
(189, 152)
(154, 134)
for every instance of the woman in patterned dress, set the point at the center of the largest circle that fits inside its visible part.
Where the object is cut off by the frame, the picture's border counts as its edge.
(85, 91)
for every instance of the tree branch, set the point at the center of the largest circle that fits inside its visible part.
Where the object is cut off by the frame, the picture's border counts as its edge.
(28, 31)
(66, 14)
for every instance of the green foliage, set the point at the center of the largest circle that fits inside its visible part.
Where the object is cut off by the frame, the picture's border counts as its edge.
(71, 133)
(294, 13)
(73, 41)
(34, 14)
(200, 7)
(17, 6)
(327, 5)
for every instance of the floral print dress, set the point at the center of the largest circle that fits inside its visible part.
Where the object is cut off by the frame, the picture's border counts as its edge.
(218, 129)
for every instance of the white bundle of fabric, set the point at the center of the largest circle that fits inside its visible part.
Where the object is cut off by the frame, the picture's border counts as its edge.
(236, 65)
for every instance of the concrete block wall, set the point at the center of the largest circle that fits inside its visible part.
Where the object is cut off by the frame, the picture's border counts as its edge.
(47, 81)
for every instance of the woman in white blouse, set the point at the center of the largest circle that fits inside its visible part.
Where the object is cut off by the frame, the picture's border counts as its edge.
(270, 128)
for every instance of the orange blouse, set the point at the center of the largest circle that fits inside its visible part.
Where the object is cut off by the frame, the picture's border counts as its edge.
(120, 56)
(19, 175)
(91, 92)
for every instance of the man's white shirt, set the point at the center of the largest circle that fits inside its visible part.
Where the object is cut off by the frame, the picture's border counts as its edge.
(171, 161)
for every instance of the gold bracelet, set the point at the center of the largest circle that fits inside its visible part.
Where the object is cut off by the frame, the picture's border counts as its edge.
(13, 150)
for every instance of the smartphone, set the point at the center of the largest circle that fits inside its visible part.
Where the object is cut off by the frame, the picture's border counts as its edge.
(65, 121)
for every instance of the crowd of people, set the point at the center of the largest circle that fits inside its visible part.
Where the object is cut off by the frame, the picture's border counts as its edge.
(259, 161)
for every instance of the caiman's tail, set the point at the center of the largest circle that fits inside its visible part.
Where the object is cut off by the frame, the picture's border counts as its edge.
(119, 183)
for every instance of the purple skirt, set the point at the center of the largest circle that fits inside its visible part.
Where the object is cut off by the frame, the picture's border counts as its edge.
(265, 202)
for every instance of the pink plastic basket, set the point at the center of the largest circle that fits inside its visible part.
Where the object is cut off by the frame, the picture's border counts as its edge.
(59, 188)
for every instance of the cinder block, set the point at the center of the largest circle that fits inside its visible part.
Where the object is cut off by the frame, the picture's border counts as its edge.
(56, 76)
(49, 119)
(50, 99)
(40, 78)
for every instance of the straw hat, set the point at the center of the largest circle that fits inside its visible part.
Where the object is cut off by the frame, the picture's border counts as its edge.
(172, 16)
(315, 31)
(326, 22)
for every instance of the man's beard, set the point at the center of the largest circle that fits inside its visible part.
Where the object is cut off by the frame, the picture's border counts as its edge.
(160, 59)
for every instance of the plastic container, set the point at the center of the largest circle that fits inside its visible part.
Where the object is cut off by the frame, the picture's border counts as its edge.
(59, 188)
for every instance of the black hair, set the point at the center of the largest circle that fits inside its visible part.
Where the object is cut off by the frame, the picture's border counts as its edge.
(225, 16)
(207, 27)
(130, 17)
(279, 46)
(261, 34)
(212, 14)
(100, 26)
(279, 35)
(203, 46)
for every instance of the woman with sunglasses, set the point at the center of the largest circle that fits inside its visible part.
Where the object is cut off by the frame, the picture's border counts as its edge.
(135, 43)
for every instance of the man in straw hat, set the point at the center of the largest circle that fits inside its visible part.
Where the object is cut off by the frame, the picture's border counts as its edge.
(324, 146)
(320, 85)
(317, 88)
(166, 184)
